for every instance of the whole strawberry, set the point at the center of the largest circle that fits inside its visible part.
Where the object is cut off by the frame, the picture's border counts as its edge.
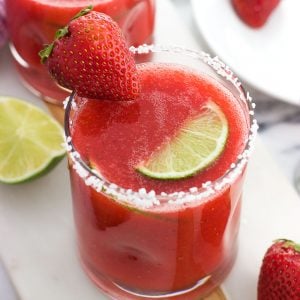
(255, 13)
(279, 277)
(90, 56)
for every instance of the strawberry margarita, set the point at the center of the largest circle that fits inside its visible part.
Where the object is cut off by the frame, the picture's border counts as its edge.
(149, 237)
(33, 23)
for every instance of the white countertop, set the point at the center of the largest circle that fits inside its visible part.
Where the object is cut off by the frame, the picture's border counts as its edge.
(280, 122)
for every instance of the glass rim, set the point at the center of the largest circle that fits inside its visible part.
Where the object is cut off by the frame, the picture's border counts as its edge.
(147, 199)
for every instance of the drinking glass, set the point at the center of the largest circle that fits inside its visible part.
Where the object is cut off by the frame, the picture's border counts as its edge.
(33, 23)
(138, 244)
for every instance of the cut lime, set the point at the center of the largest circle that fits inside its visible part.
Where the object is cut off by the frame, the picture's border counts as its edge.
(198, 143)
(30, 141)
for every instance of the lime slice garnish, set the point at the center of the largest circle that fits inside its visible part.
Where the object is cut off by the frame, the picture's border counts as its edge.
(197, 144)
(30, 141)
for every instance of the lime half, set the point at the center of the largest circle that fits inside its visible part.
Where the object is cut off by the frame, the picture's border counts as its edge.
(197, 144)
(30, 141)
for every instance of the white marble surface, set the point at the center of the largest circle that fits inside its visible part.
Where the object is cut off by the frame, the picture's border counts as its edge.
(279, 127)
(279, 121)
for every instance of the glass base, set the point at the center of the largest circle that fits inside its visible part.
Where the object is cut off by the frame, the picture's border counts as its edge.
(55, 108)
(38, 81)
(204, 287)
(44, 87)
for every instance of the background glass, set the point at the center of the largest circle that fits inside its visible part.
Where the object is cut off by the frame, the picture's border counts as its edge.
(33, 23)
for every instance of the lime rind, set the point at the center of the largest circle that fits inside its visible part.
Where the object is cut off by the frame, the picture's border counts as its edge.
(197, 145)
(30, 141)
(44, 169)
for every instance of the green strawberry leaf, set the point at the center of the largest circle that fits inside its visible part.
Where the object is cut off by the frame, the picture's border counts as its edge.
(83, 12)
(289, 243)
(46, 52)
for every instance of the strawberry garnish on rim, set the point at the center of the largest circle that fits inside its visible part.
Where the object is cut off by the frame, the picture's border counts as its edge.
(90, 56)
(280, 272)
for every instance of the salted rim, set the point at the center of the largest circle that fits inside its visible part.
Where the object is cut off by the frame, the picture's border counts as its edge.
(142, 198)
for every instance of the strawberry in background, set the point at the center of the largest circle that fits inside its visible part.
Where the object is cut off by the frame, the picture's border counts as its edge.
(279, 277)
(3, 28)
(255, 13)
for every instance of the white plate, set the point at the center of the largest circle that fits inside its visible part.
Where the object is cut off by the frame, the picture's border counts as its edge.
(267, 58)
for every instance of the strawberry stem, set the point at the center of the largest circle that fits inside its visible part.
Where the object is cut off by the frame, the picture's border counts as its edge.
(46, 52)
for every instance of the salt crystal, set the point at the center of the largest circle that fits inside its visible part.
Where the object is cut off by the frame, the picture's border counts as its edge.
(193, 189)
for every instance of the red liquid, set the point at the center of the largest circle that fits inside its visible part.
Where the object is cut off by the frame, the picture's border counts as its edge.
(167, 248)
(33, 23)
